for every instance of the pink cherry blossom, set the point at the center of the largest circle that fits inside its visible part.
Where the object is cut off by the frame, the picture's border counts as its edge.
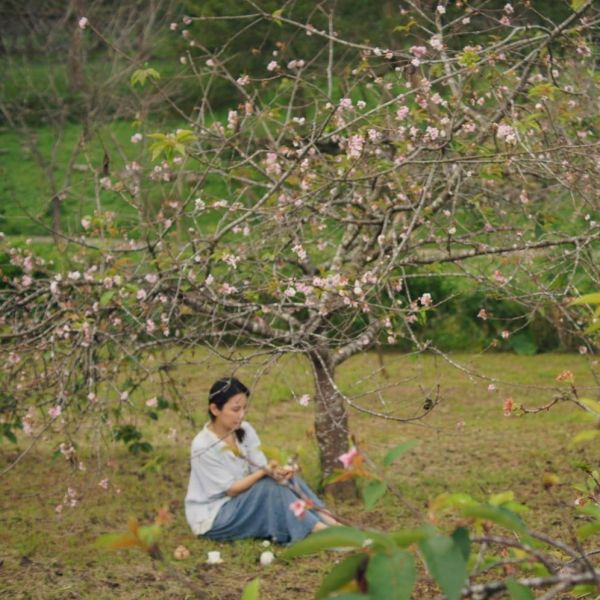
(232, 119)
(298, 507)
(482, 314)
(304, 400)
(54, 411)
(103, 484)
(436, 42)
(582, 349)
(355, 146)
(272, 66)
(348, 457)
(426, 299)
(491, 387)
(508, 407)
(418, 51)
(507, 133)
(295, 64)
(505, 334)
(402, 112)
(83, 23)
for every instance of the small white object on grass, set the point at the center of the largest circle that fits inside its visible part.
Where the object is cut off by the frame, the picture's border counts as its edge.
(266, 558)
(214, 558)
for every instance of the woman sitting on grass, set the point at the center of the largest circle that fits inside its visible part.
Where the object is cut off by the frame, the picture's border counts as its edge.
(233, 493)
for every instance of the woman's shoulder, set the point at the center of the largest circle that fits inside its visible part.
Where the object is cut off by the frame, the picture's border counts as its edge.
(248, 428)
(203, 439)
(251, 437)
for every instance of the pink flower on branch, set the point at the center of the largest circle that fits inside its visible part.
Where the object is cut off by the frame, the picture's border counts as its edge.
(418, 51)
(55, 411)
(298, 507)
(348, 457)
(509, 406)
(304, 400)
(355, 146)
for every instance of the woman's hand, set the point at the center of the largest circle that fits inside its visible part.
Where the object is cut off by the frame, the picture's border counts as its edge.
(285, 473)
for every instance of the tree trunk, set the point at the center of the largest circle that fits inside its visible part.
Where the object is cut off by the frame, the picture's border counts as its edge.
(331, 424)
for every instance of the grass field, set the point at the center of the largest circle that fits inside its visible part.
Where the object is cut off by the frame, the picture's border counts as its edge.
(465, 444)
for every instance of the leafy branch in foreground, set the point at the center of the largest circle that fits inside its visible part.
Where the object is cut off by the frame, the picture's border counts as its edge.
(146, 538)
(471, 549)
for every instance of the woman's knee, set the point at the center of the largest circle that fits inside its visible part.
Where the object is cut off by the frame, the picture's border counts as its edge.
(267, 485)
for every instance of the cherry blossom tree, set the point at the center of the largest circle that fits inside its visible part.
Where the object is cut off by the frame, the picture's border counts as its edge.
(306, 217)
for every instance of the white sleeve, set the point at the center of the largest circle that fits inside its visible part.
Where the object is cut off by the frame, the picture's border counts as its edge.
(252, 443)
(212, 472)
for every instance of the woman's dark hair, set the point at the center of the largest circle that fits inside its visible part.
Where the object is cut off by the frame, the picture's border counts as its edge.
(221, 391)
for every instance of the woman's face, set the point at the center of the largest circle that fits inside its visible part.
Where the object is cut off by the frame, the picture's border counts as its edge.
(230, 417)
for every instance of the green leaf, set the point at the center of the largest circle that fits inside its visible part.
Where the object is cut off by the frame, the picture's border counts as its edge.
(407, 537)
(185, 136)
(577, 5)
(592, 328)
(372, 492)
(394, 453)
(591, 509)
(340, 575)
(501, 498)
(497, 514)
(455, 500)
(587, 299)
(106, 298)
(391, 577)
(590, 404)
(518, 591)
(462, 541)
(141, 75)
(149, 534)
(446, 564)
(251, 590)
(326, 538)
(276, 14)
(588, 530)
(542, 90)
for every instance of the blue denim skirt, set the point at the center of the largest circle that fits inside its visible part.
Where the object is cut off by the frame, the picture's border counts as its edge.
(263, 511)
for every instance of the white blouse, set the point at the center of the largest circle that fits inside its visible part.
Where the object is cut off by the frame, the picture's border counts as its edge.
(214, 468)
